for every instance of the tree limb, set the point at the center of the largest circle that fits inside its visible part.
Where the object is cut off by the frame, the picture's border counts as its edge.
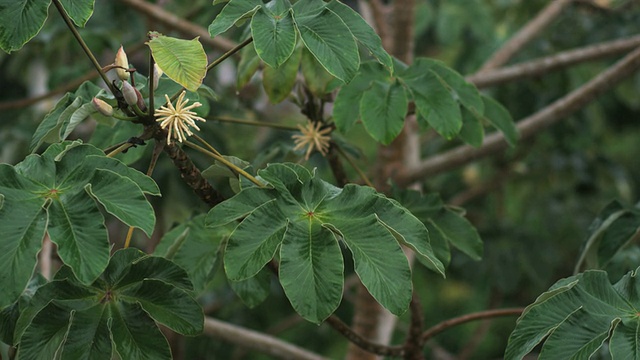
(256, 340)
(173, 21)
(527, 127)
(361, 342)
(525, 34)
(554, 62)
(436, 329)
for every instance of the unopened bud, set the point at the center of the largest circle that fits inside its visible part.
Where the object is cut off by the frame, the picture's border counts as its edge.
(102, 107)
(157, 73)
(123, 63)
(129, 93)
(140, 101)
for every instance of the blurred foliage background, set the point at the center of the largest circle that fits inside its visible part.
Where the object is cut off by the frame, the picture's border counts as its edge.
(545, 192)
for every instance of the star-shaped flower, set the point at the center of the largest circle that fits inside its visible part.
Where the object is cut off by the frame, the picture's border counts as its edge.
(178, 120)
(313, 138)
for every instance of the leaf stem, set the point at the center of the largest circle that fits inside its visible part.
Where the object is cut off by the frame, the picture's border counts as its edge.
(127, 241)
(119, 149)
(224, 161)
(229, 53)
(252, 123)
(150, 86)
(84, 46)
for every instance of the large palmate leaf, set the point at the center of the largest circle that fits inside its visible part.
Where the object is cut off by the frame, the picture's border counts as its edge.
(614, 228)
(20, 21)
(119, 310)
(78, 10)
(60, 192)
(183, 61)
(305, 218)
(577, 315)
(233, 11)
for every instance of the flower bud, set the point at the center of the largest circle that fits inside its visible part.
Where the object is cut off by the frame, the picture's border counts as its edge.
(157, 73)
(129, 93)
(122, 62)
(140, 101)
(102, 107)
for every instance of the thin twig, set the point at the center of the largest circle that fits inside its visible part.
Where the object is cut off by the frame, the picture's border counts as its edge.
(361, 342)
(525, 34)
(529, 126)
(554, 62)
(252, 123)
(435, 330)
(84, 46)
(229, 53)
(256, 340)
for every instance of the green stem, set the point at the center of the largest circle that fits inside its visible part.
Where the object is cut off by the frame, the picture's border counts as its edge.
(226, 162)
(151, 89)
(354, 166)
(124, 118)
(119, 149)
(209, 146)
(252, 123)
(84, 46)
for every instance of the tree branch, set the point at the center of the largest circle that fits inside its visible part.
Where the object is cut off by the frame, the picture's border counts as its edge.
(435, 330)
(527, 127)
(159, 14)
(361, 342)
(547, 64)
(525, 34)
(256, 340)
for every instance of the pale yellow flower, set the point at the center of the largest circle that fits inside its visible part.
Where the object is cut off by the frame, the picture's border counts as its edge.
(178, 120)
(313, 138)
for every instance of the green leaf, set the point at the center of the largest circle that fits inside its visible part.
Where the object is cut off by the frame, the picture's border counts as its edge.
(464, 92)
(232, 12)
(316, 77)
(248, 65)
(346, 110)
(311, 269)
(383, 107)
(78, 10)
(612, 229)
(330, 41)
(304, 215)
(460, 233)
(123, 199)
(135, 335)
(472, 131)
(77, 228)
(499, 117)
(279, 82)
(434, 101)
(274, 36)
(194, 248)
(22, 225)
(183, 61)
(44, 337)
(362, 32)
(69, 319)
(20, 21)
(254, 290)
(50, 128)
(89, 332)
(577, 315)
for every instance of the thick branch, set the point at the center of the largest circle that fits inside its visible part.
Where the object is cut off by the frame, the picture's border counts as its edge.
(526, 34)
(529, 126)
(554, 62)
(257, 341)
(173, 21)
(434, 330)
(361, 342)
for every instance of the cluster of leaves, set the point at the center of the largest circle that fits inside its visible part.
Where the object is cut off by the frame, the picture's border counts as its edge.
(69, 319)
(59, 193)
